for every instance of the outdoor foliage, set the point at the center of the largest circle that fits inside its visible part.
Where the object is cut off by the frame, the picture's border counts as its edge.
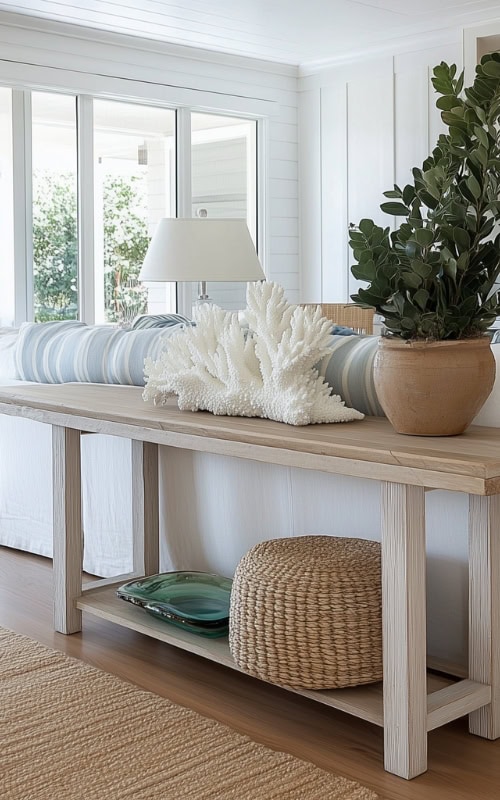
(434, 277)
(55, 246)
(125, 243)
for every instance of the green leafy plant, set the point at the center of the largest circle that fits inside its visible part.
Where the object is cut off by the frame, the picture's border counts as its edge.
(55, 246)
(434, 277)
(126, 241)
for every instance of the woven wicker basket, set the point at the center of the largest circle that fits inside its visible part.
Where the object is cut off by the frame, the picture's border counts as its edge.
(306, 612)
(360, 319)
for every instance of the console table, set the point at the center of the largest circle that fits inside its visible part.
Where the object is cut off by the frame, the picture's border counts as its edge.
(410, 703)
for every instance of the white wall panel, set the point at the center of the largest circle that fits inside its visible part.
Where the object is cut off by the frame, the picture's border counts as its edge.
(310, 195)
(286, 189)
(334, 208)
(280, 264)
(436, 126)
(283, 132)
(417, 120)
(283, 151)
(413, 73)
(282, 226)
(281, 169)
(284, 245)
(288, 207)
(370, 149)
(282, 215)
(290, 283)
(411, 90)
(288, 114)
(377, 119)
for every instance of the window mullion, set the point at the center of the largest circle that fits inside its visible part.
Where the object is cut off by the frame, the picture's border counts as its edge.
(86, 234)
(23, 209)
(184, 194)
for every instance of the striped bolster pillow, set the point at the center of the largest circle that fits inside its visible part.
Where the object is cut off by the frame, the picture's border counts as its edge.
(159, 321)
(61, 352)
(349, 371)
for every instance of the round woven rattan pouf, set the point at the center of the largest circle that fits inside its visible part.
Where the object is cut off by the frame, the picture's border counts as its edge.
(306, 612)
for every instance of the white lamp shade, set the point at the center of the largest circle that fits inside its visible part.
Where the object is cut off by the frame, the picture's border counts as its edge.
(201, 250)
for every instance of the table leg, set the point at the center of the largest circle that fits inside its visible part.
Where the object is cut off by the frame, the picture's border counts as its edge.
(145, 508)
(68, 535)
(484, 609)
(404, 630)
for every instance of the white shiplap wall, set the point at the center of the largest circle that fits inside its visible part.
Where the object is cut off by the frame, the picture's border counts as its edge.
(45, 54)
(363, 125)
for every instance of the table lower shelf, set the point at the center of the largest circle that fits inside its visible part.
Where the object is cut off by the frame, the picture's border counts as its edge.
(446, 700)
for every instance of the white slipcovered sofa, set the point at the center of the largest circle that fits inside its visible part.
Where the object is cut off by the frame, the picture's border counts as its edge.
(214, 508)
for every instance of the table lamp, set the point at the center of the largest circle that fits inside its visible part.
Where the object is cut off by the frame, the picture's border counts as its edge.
(201, 250)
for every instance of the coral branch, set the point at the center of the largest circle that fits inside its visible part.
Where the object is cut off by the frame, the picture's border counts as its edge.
(269, 371)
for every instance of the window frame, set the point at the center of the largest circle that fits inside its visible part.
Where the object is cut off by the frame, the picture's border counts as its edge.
(86, 86)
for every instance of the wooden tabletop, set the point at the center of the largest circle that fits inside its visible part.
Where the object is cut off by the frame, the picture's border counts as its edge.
(367, 448)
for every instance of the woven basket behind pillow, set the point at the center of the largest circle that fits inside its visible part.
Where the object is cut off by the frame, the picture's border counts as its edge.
(306, 612)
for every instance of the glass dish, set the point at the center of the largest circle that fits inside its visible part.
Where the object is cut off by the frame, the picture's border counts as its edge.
(194, 601)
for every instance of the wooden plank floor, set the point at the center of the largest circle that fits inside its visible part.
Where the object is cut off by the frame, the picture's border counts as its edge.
(461, 767)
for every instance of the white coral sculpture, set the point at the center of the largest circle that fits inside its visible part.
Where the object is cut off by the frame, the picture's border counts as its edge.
(268, 371)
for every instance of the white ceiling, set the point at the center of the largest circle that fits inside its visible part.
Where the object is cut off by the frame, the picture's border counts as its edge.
(288, 31)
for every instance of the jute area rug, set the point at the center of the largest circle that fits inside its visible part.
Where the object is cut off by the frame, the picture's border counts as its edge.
(72, 732)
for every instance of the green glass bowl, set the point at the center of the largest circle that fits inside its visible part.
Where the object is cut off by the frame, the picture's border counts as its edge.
(194, 601)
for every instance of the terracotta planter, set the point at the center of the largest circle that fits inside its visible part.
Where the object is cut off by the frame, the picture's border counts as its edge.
(433, 388)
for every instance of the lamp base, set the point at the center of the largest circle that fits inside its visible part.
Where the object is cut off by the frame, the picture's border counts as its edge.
(203, 300)
(202, 295)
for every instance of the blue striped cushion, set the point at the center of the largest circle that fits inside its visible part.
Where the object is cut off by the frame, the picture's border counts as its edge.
(61, 352)
(158, 321)
(349, 371)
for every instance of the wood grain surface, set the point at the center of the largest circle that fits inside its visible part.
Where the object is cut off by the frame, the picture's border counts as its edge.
(367, 448)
